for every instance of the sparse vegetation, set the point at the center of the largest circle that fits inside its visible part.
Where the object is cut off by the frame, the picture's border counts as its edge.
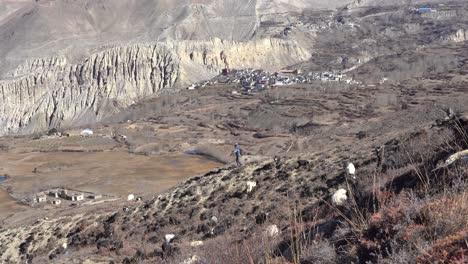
(406, 228)
(406, 205)
(420, 224)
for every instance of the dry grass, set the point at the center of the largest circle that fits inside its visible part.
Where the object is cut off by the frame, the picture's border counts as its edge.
(445, 216)
(451, 249)
(415, 227)
(229, 250)
(410, 227)
(148, 149)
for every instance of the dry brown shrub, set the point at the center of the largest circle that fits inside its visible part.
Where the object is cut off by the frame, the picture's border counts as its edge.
(452, 249)
(126, 250)
(226, 250)
(409, 226)
(387, 226)
(445, 216)
(390, 214)
(384, 197)
(318, 251)
(413, 232)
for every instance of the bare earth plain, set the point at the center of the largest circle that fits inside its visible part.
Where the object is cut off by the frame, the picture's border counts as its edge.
(114, 173)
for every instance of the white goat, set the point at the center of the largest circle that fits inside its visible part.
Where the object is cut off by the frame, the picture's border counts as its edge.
(251, 185)
(339, 197)
(351, 170)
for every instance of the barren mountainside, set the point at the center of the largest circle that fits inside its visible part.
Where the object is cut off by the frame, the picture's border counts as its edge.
(97, 55)
(46, 45)
(121, 123)
(51, 92)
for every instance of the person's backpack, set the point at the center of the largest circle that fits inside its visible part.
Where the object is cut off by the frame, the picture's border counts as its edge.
(238, 152)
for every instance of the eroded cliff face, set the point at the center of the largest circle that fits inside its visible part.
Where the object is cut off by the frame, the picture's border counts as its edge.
(51, 92)
(202, 60)
(54, 93)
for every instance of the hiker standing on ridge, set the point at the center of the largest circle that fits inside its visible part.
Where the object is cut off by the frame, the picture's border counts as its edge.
(238, 153)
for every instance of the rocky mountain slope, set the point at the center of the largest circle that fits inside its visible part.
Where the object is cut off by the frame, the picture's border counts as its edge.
(49, 47)
(398, 136)
(103, 56)
(239, 204)
(52, 92)
(407, 204)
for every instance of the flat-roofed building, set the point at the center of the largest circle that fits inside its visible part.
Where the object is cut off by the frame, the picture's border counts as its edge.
(76, 197)
(40, 199)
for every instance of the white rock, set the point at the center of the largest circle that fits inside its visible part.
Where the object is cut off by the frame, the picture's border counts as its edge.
(169, 238)
(131, 197)
(251, 185)
(64, 245)
(214, 219)
(339, 197)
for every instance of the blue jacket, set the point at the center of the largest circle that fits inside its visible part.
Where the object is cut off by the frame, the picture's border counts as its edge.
(237, 152)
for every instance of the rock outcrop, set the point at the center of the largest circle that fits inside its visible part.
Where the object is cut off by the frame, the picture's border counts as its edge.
(460, 36)
(52, 92)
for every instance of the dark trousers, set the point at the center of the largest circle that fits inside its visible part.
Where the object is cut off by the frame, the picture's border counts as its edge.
(238, 161)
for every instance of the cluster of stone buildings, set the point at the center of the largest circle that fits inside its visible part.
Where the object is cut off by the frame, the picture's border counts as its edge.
(258, 80)
(56, 196)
